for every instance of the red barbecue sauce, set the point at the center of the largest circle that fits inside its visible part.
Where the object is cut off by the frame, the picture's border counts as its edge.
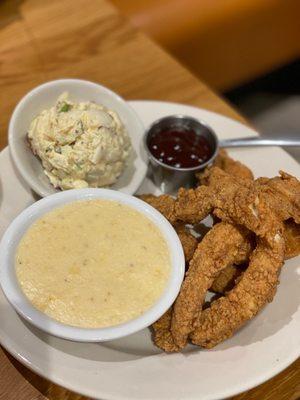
(180, 148)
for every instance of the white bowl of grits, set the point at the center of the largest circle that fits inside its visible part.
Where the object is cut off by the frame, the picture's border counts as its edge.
(72, 134)
(91, 264)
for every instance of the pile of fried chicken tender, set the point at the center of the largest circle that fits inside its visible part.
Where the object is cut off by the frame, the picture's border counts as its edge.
(256, 227)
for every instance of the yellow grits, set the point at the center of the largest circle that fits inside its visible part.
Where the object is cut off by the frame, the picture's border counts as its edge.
(93, 263)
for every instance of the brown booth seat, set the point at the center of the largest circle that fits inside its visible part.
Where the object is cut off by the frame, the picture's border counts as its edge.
(225, 42)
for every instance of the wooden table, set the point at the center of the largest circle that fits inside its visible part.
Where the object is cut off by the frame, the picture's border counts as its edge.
(89, 39)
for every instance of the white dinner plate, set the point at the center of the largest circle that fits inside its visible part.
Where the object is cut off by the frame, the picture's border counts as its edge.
(132, 368)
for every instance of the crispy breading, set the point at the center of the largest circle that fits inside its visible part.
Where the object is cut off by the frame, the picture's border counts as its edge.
(162, 335)
(231, 166)
(232, 200)
(235, 200)
(283, 195)
(243, 205)
(226, 279)
(256, 287)
(223, 245)
(228, 165)
(165, 204)
(193, 205)
(240, 201)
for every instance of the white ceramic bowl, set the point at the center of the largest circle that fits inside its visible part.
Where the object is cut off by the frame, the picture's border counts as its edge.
(44, 96)
(22, 305)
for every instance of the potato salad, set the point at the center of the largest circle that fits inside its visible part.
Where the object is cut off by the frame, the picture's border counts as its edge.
(80, 144)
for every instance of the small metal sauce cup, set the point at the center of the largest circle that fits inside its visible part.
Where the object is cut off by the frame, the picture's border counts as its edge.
(168, 178)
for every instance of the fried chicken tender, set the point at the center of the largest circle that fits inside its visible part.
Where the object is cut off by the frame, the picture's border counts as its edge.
(258, 283)
(228, 165)
(226, 279)
(161, 328)
(231, 199)
(193, 205)
(256, 287)
(232, 167)
(162, 335)
(278, 186)
(223, 245)
(165, 204)
(283, 194)
(243, 206)
(240, 201)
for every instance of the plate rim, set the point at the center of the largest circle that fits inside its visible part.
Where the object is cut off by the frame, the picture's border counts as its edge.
(253, 383)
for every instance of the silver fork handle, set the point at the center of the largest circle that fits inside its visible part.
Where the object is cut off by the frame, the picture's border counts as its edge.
(253, 141)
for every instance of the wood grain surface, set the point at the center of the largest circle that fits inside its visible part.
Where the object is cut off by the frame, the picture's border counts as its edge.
(89, 39)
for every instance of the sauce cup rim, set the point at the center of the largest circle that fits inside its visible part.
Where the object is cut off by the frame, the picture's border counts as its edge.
(181, 117)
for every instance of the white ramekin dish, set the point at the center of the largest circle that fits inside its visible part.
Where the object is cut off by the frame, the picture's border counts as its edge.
(22, 305)
(45, 96)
